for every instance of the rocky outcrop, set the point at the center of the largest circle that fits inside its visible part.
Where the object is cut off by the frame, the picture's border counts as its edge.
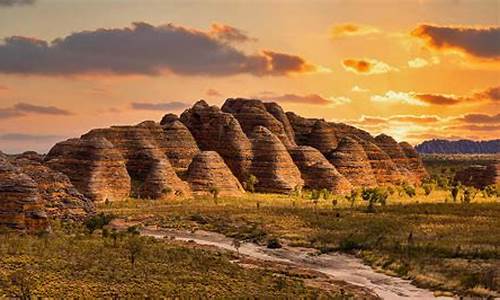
(318, 172)
(143, 149)
(217, 131)
(351, 160)
(278, 113)
(251, 113)
(384, 169)
(302, 127)
(343, 130)
(414, 161)
(20, 204)
(394, 150)
(208, 171)
(272, 164)
(479, 176)
(94, 166)
(179, 144)
(322, 137)
(59, 197)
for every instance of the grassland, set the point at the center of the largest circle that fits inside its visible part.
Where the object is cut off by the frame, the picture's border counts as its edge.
(438, 244)
(71, 263)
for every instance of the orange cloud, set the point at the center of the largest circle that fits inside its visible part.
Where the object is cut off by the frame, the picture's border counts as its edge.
(350, 29)
(312, 99)
(229, 33)
(281, 63)
(213, 93)
(478, 42)
(367, 66)
(422, 99)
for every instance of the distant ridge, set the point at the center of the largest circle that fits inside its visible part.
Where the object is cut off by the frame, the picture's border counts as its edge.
(460, 146)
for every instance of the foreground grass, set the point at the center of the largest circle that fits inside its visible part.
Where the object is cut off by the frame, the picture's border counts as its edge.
(438, 244)
(71, 263)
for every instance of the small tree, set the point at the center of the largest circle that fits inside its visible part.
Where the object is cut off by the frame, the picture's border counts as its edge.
(215, 191)
(250, 183)
(374, 196)
(353, 196)
(409, 190)
(455, 190)
(297, 191)
(315, 195)
(469, 194)
(428, 188)
(491, 190)
(326, 194)
(134, 246)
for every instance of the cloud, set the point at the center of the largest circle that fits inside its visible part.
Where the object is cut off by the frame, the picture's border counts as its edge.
(142, 49)
(313, 99)
(213, 93)
(16, 2)
(349, 30)
(164, 106)
(472, 127)
(367, 66)
(229, 33)
(23, 109)
(480, 118)
(475, 41)
(425, 99)
(358, 89)
(414, 119)
(417, 63)
(17, 137)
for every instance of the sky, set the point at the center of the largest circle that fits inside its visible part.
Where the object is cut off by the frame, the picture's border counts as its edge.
(414, 69)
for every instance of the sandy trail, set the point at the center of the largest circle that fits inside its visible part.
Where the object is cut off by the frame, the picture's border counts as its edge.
(339, 266)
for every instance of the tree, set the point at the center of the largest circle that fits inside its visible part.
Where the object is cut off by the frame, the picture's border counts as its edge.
(455, 189)
(250, 183)
(134, 246)
(469, 194)
(315, 195)
(353, 196)
(409, 190)
(428, 188)
(374, 196)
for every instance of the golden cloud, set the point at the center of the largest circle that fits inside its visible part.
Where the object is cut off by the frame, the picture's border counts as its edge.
(350, 29)
(313, 99)
(367, 66)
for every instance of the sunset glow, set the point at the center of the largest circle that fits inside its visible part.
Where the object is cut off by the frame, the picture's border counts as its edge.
(412, 69)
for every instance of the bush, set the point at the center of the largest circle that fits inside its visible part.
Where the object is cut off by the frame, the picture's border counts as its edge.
(250, 183)
(273, 243)
(409, 190)
(428, 188)
(215, 191)
(353, 196)
(492, 190)
(455, 190)
(469, 194)
(374, 196)
(98, 222)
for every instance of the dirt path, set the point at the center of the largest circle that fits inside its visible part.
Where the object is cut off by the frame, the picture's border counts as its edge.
(340, 266)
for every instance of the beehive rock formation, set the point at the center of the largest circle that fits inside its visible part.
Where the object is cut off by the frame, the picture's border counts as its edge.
(318, 172)
(302, 127)
(479, 176)
(59, 197)
(415, 164)
(384, 169)
(351, 160)
(251, 113)
(396, 153)
(20, 204)
(278, 113)
(217, 131)
(94, 167)
(144, 151)
(179, 144)
(272, 164)
(208, 171)
(322, 137)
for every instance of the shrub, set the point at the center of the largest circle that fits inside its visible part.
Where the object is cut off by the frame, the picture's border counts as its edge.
(428, 188)
(167, 190)
(353, 196)
(491, 190)
(273, 243)
(134, 246)
(98, 221)
(215, 191)
(374, 196)
(409, 190)
(469, 194)
(455, 190)
(250, 183)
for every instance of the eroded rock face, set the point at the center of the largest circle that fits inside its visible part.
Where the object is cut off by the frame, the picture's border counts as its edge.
(60, 198)
(302, 127)
(143, 149)
(393, 149)
(384, 169)
(479, 176)
(351, 160)
(318, 172)
(278, 113)
(217, 131)
(322, 137)
(208, 171)
(272, 164)
(415, 164)
(20, 204)
(180, 145)
(94, 167)
(251, 113)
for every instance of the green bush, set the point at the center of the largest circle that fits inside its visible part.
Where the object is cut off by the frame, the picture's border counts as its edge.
(250, 183)
(98, 222)
(273, 243)
(428, 188)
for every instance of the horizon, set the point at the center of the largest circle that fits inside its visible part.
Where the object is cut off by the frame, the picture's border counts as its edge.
(430, 70)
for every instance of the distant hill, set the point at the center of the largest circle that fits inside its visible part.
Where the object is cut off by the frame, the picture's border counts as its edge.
(460, 146)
